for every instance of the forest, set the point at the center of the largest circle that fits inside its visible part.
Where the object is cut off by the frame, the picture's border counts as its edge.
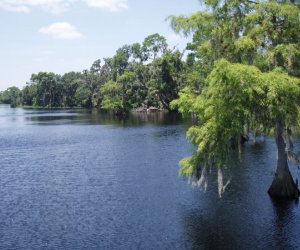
(240, 77)
(138, 76)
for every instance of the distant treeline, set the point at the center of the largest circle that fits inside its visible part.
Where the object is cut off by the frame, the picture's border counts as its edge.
(138, 75)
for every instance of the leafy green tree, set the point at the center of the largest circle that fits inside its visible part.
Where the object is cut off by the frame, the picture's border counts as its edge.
(137, 89)
(11, 96)
(96, 67)
(111, 93)
(137, 53)
(149, 75)
(83, 96)
(107, 69)
(272, 30)
(120, 61)
(70, 82)
(46, 89)
(29, 93)
(232, 98)
(168, 77)
(154, 45)
(133, 91)
(93, 80)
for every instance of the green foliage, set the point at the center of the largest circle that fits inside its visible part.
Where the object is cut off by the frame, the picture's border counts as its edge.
(11, 96)
(111, 93)
(288, 55)
(69, 83)
(29, 94)
(199, 22)
(83, 96)
(282, 97)
(133, 90)
(47, 92)
(185, 103)
(275, 29)
(230, 97)
(168, 77)
(189, 166)
(147, 74)
(222, 109)
(120, 61)
(137, 52)
(236, 96)
(153, 45)
(96, 67)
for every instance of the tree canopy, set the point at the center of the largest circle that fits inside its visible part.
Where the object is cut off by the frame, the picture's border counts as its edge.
(137, 75)
(248, 56)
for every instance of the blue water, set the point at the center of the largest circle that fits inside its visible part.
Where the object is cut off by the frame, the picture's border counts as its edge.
(73, 179)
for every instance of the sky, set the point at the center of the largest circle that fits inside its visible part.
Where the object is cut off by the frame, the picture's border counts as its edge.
(69, 35)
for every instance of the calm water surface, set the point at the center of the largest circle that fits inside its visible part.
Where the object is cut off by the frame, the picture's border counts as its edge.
(73, 179)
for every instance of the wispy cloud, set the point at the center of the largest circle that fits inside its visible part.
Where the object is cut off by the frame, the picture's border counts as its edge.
(14, 6)
(58, 6)
(53, 6)
(110, 5)
(62, 30)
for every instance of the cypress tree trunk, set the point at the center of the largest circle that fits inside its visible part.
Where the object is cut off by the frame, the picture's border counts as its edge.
(283, 185)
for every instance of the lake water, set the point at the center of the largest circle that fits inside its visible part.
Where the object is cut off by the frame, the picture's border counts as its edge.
(73, 179)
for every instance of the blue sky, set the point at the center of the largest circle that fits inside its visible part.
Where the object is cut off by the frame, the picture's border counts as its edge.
(66, 35)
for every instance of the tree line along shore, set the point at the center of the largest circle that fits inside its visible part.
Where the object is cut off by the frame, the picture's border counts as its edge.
(138, 77)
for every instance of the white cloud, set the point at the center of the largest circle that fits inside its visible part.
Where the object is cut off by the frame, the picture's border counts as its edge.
(53, 6)
(62, 30)
(14, 6)
(110, 5)
(58, 6)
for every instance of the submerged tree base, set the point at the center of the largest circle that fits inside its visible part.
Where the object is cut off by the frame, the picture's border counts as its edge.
(284, 187)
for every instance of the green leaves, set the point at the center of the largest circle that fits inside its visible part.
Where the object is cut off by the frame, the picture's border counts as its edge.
(185, 102)
(199, 21)
(237, 95)
(228, 96)
(153, 45)
(246, 47)
(282, 96)
(47, 89)
(11, 96)
(275, 29)
(285, 55)
(111, 93)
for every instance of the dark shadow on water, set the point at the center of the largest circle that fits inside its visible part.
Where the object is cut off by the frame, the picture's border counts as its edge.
(204, 233)
(245, 217)
(285, 224)
(223, 227)
(95, 117)
(283, 211)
